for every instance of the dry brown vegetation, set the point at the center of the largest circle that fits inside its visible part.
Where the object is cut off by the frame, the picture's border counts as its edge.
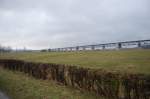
(111, 85)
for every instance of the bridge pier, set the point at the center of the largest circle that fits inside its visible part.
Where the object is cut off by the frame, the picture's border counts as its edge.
(139, 44)
(84, 48)
(77, 48)
(103, 47)
(92, 47)
(119, 45)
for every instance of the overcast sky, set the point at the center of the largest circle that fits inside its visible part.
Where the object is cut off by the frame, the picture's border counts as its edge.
(40, 24)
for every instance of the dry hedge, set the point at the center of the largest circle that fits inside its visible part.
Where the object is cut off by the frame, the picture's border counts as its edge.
(111, 85)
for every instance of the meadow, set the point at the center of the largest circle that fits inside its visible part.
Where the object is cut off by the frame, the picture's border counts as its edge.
(134, 60)
(21, 86)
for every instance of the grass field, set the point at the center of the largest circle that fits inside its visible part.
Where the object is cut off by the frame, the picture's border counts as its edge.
(135, 61)
(20, 86)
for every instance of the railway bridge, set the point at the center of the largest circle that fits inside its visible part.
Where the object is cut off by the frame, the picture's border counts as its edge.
(108, 46)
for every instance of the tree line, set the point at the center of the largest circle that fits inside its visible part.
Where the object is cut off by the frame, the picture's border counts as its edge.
(5, 49)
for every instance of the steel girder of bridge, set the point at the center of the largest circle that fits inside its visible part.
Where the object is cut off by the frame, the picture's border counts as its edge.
(107, 46)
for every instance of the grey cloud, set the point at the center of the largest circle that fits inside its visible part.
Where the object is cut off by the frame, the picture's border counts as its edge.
(58, 23)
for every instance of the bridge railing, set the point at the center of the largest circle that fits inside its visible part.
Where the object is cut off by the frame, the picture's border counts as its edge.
(107, 46)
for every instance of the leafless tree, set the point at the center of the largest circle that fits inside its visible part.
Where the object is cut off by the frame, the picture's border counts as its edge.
(5, 49)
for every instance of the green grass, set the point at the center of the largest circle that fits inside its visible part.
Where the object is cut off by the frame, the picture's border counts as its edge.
(135, 61)
(19, 86)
